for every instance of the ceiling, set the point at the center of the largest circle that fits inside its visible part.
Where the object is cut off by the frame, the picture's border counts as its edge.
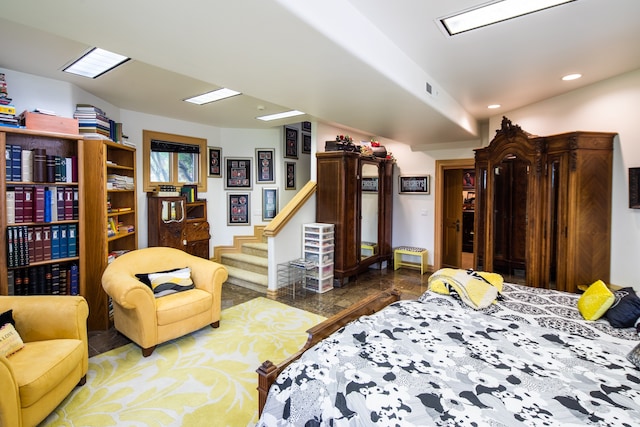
(359, 64)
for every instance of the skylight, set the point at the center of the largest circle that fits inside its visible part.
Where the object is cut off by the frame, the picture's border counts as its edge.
(282, 115)
(214, 95)
(95, 62)
(495, 12)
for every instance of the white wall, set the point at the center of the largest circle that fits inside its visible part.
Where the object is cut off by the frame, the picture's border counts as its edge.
(609, 106)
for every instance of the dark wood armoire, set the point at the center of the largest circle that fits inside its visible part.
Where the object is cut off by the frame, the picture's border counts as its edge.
(543, 207)
(361, 218)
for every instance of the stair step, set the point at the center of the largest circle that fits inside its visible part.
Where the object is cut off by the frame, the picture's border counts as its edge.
(257, 249)
(247, 279)
(247, 262)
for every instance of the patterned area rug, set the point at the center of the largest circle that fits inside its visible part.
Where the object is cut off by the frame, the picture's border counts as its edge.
(205, 378)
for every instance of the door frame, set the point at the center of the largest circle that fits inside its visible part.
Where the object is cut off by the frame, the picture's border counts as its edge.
(441, 166)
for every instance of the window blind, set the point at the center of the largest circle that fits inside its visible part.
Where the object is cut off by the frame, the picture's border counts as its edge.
(173, 147)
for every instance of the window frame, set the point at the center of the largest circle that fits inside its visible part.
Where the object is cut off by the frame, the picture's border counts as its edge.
(148, 135)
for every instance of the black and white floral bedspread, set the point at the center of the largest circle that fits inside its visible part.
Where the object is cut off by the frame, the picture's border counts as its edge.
(526, 361)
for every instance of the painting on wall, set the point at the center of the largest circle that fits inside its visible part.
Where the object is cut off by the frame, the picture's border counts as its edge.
(238, 209)
(215, 162)
(237, 173)
(290, 143)
(269, 203)
(265, 166)
(290, 168)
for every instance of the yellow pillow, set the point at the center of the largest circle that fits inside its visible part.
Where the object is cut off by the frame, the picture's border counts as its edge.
(595, 301)
(10, 340)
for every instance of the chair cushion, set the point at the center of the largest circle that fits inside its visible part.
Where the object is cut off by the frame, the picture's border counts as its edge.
(41, 365)
(183, 305)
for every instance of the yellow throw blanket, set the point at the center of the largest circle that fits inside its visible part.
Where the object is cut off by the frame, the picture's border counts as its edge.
(477, 289)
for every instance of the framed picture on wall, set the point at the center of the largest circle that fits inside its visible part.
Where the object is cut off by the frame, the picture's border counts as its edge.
(238, 209)
(290, 171)
(417, 184)
(237, 173)
(290, 143)
(370, 184)
(306, 126)
(306, 143)
(269, 203)
(215, 162)
(265, 166)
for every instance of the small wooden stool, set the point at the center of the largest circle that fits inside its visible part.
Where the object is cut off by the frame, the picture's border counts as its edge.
(421, 253)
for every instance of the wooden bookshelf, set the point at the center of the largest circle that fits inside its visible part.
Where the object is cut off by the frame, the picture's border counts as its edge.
(107, 204)
(56, 144)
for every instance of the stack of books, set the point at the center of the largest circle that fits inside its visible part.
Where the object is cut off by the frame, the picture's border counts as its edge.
(7, 110)
(119, 182)
(92, 121)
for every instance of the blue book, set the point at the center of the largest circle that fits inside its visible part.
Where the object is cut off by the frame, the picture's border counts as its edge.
(55, 241)
(16, 163)
(7, 156)
(64, 252)
(72, 242)
(47, 205)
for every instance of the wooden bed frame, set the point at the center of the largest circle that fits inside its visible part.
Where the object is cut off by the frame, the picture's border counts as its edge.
(268, 371)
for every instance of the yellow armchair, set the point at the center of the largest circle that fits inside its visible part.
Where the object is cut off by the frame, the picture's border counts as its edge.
(53, 361)
(149, 321)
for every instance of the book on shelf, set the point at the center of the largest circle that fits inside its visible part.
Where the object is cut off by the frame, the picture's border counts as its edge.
(72, 241)
(16, 163)
(10, 197)
(27, 204)
(46, 242)
(39, 165)
(27, 165)
(21, 214)
(38, 203)
(55, 241)
(64, 241)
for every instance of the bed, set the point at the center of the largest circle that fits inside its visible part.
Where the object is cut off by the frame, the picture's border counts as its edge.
(528, 359)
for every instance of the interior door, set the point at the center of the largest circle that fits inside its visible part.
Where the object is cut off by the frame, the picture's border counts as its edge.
(452, 219)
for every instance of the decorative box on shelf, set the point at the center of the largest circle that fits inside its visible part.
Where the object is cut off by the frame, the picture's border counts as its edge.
(50, 123)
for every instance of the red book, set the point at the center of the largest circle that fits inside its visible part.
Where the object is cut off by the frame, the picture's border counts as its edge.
(19, 204)
(68, 203)
(46, 242)
(27, 206)
(38, 244)
(38, 203)
(60, 205)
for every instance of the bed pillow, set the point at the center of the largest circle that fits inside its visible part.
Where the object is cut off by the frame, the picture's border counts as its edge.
(595, 301)
(167, 283)
(625, 310)
(7, 317)
(10, 340)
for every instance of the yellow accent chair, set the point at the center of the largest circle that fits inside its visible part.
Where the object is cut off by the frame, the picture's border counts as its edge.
(54, 359)
(149, 321)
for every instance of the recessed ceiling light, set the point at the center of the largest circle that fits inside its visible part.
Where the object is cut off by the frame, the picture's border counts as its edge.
(571, 77)
(282, 115)
(214, 95)
(495, 12)
(95, 62)
(494, 106)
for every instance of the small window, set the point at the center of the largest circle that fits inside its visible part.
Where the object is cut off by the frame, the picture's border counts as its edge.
(173, 160)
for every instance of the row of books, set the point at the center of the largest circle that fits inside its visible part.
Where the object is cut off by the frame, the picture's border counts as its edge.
(41, 204)
(51, 279)
(27, 244)
(37, 166)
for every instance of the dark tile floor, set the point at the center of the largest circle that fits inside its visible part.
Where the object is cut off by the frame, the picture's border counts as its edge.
(408, 281)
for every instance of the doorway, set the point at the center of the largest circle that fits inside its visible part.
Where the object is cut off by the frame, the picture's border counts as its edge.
(454, 214)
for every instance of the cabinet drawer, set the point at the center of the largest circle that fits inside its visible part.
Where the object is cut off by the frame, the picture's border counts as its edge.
(197, 230)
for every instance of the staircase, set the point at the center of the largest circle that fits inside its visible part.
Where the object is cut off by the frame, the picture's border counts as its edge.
(248, 268)
(246, 260)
